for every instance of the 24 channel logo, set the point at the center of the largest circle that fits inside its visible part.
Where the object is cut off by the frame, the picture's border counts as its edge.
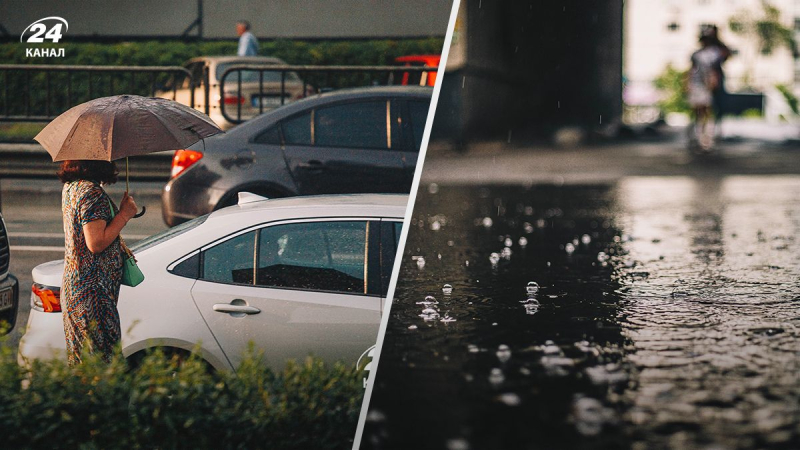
(50, 29)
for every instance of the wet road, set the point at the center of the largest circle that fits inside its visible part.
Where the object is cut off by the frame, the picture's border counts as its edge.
(666, 316)
(32, 212)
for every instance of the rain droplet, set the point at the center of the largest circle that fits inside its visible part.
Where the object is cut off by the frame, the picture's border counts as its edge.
(447, 289)
(472, 348)
(569, 248)
(532, 288)
(503, 353)
(487, 222)
(447, 319)
(433, 188)
(420, 262)
(508, 242)
(523, 242)
(586, 239)
(412, 327)
(436, 226)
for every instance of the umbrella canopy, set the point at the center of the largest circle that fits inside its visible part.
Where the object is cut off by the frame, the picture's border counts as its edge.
(115, 127)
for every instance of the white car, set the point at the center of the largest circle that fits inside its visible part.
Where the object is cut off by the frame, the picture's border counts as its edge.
(297, 276)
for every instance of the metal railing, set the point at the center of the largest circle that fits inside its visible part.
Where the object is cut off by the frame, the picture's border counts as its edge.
(320, 76)
(39, 93)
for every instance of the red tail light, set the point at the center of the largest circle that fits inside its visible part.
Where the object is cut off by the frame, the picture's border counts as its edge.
(45, 298)
(182, 160)
(233, 100)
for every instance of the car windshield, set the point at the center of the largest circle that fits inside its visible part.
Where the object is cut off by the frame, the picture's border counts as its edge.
(168, 234)
(251, 76)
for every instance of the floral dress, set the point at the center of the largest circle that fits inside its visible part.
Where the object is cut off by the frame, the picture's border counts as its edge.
(90, 286)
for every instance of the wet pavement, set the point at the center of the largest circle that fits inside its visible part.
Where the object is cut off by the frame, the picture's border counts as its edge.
(664, 314)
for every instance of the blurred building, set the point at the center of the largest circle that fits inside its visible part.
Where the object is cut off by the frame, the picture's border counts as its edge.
(216, 19)
(529, 69)
(665, 32)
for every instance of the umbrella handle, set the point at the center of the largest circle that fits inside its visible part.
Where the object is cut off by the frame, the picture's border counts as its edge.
(144, 210)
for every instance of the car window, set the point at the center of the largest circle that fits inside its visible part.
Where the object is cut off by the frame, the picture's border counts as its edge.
(324, 256)
(297, 130)
(419, 113)
(231, 261)
(272, 136)
(251, 76)
(168, 234)
(353, 125)
(390, 237)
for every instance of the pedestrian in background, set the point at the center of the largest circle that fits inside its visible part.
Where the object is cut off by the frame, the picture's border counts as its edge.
(248, 45)
(93, 257)
(702, 81)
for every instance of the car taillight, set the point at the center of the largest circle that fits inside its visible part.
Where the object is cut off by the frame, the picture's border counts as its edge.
(182, 160)
(45, 298)
(230, 99)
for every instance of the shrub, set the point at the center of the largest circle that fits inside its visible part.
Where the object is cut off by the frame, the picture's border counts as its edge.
(171, 403)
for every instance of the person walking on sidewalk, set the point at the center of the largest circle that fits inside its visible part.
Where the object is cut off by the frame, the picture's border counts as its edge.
(702, 81)
(93, 257)
(248, 44)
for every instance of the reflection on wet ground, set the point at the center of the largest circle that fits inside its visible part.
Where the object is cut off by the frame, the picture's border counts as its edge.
(651, 313)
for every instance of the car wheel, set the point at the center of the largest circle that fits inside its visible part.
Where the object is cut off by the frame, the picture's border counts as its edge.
(135, 360)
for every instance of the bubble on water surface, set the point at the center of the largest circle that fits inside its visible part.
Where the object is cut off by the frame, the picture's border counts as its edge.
(494, 258)
(447, 289)
(589, 416)
(503, 353)
(496, 376)
(528, 228)
(457, 444)
(509, 399)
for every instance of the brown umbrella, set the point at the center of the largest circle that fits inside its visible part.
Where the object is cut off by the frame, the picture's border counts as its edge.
(116, 127)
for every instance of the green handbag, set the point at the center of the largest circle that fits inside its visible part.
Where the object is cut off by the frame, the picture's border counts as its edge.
(131, 274)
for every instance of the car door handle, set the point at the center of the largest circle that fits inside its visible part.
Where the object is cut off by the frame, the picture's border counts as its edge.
(312, 166)
(241, 309)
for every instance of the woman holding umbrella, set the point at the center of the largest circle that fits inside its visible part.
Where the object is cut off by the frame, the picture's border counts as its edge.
(88, 138)
(93, 257)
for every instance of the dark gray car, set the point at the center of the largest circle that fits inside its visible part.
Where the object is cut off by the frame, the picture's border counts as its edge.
(9, 286)
(362, 140)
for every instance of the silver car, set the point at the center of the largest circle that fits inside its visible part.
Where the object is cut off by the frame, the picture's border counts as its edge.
(246, 104)
(297, 276)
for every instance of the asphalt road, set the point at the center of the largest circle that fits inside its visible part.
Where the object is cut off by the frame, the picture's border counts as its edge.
(32, 211)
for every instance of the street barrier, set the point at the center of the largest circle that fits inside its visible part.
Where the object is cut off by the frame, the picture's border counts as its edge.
(39, 93)
(325, 78)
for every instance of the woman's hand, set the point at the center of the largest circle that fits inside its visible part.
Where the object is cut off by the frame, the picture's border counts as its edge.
(127, 207)
(99, 234)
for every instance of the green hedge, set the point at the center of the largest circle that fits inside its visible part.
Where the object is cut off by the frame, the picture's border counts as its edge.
(168, 403)
(175, 53)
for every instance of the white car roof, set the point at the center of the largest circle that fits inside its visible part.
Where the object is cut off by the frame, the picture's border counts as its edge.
(303, 207)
